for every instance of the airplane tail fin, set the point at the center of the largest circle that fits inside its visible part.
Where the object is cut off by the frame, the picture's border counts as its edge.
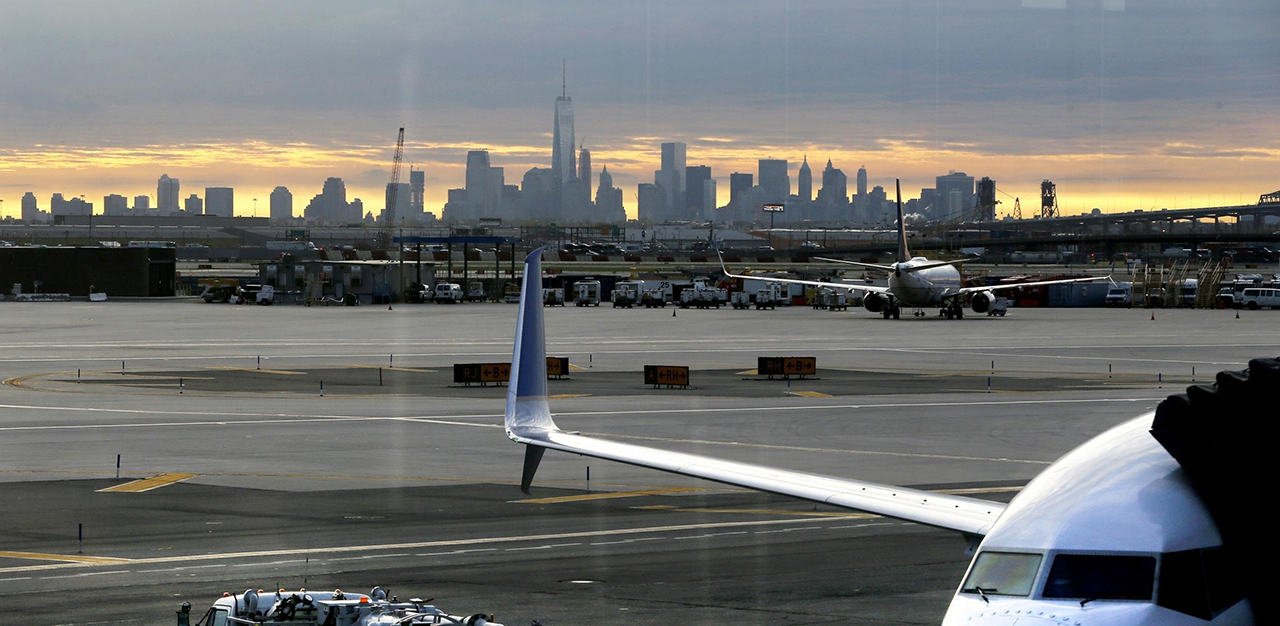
(903, 253)
(528, 411)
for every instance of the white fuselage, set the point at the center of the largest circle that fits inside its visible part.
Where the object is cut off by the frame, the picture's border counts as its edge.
(926, 287)
(1119, 495)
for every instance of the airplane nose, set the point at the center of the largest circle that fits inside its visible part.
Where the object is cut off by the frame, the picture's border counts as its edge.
(1028, 617)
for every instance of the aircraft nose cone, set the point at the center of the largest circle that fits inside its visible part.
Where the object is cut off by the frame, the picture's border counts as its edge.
(1028, 617)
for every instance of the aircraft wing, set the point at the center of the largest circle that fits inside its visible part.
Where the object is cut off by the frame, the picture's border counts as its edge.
(969, 290)
(811, 283)
(529, 421)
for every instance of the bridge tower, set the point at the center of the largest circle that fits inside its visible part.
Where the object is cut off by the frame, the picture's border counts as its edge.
(1048, 199)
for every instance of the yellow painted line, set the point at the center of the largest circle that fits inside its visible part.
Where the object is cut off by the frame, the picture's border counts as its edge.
(250, 369)
(749, 373)
(810, 394)
(609, 495)
(566, 396)
(576, 368)
(755, 511)
(313, 551)
(147, 484)
(66, 558)
(390, 369)
(980, 490)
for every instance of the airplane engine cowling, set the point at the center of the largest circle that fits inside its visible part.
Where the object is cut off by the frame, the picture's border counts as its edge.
(874, 302)
(981, 301)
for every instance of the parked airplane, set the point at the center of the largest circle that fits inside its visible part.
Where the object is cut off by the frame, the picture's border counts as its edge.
(1116, 532)
(916, 282)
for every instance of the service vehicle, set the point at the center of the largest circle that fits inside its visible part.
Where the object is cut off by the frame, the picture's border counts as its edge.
(1119, 295)
(771, 295)
(999, 306)
(586, 293)
(254, 293)
(552, 296)
(325, 608)
(218, 289)
(447, 293)
(654, 298)
(475, 293)
(740, 300)
(626, 293)
(703, 296)
(1255, 298)
(511, 293)
(1187, 293)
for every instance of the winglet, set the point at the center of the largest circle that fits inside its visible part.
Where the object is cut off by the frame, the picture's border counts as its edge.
(528, 412)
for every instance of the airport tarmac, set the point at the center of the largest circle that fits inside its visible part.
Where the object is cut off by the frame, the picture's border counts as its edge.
(258, 481)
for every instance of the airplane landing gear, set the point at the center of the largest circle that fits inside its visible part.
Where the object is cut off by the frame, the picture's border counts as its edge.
(896, 312)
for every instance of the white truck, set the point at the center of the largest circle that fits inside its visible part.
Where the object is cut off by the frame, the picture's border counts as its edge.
(703, 296)
(740, 300)
(655, 298)
(586, 293)
(771, 295)
(626, 293)
(1120, 294)
(447, 293)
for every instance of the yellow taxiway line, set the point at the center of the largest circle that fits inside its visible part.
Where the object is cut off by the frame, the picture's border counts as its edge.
(608, 495)
(576, 368)
(147, 484)
(250, 369)
(810, 394)
(366, 366)
(663, 507)
(566, 396)
(66, 558)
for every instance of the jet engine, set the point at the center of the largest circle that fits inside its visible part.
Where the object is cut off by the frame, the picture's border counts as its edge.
(981, 301)
(874, 302)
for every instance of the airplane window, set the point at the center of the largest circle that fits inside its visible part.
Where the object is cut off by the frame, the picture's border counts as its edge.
(1003, 573)
(1201, 583)
(1101, 577)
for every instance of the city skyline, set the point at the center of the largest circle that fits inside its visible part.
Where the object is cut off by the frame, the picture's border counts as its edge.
(1107, 100)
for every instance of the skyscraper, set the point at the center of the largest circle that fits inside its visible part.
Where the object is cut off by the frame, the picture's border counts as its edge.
(193, 205)
(805, 189)
(330, 205)
(562, 144)
(477, 186)
(739, 184)
(862, 181)
(584, 171)
(708, 199)
(115, 204)
(835, 187)
(954, 196)
(774, 179)
(141, 204)
(281, 204)
(695, 176)
(167, 195)
(672, 180)
(417, 191)
(220, 201)
(609, 200)
(30, 210)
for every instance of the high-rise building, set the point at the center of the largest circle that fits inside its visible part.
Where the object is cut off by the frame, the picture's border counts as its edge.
(167, 195)
(954, 196)
(141, 204)
(708, 199)
(739, 185)
(862, 181)
(398, 193)
(584, 168)
(75, 206)
(30, 210)
(281, 204)
(115, 204)
(651, 202)
(497, 180)
(695, 196)
(219, 201)
(478, 187)
(562, 144)
(835, 187)
(193, 205)
(774, 179)
(805, 185)
(609, 200)
(417, 191)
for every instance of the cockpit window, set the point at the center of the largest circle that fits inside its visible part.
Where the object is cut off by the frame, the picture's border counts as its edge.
(1002, 573)
(1101, 577)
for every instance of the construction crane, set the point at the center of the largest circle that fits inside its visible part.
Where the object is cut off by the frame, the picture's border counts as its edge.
(393, 194)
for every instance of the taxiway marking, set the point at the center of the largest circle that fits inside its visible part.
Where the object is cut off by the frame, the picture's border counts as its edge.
(608, 495)
(567, 396)
(663, 507)
(147, 484)
(389, 369)
(66, 558)
(810, 394)
(250, 369)
(474, 541)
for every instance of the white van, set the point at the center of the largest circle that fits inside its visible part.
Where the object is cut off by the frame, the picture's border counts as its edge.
(1255, 298)
(447, 293)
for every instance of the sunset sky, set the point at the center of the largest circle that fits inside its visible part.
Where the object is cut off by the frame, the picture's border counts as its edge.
(1124, 104)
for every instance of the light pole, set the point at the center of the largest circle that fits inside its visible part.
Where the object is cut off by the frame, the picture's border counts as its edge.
(772, 210)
